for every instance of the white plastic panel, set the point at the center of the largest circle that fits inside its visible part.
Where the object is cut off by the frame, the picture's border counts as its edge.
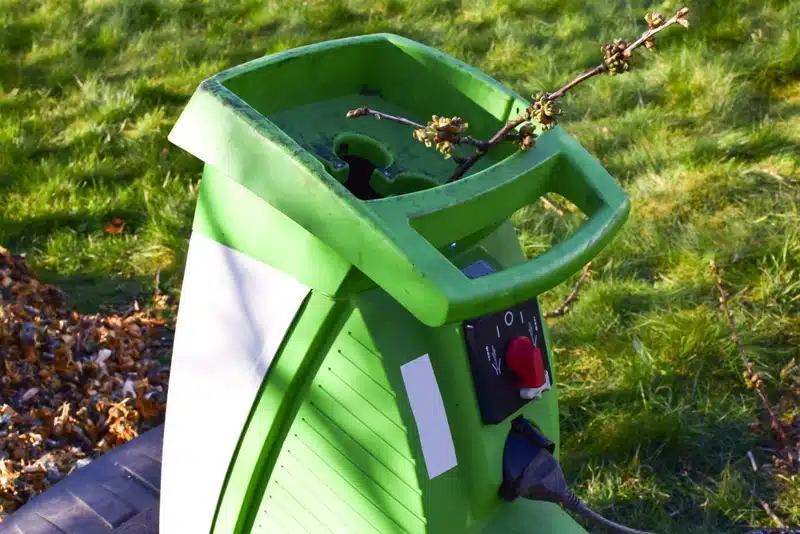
(234, 313)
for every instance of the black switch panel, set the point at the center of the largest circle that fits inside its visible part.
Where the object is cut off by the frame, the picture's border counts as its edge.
(487, 338)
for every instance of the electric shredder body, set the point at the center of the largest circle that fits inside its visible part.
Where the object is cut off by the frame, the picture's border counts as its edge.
(339, 362)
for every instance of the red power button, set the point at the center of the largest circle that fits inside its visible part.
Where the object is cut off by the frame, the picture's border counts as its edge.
(525, 359)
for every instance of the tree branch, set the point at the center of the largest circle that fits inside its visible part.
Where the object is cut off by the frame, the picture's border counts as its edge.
(752, 377)
(465, 166)
(577, 81)
(367, 112)
(767, 509)
(564, 308)
(505, 133)
(677, 18)
(500, 136)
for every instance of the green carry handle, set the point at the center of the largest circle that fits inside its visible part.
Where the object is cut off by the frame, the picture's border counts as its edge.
(397, 241)
(423, 223)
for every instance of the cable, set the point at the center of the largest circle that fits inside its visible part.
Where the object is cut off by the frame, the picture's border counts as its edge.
(543, 480)
(532, 472)
(576, 505)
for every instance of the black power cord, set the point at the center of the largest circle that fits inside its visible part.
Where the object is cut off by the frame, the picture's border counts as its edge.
(531, 471)
(543, 480)
(576, 505)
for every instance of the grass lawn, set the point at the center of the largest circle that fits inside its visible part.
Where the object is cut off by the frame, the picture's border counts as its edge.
(704, 136)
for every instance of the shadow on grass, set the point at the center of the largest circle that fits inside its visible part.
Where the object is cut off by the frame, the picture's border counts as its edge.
(659, 459)
(33, 230)
(17, 37)
(762, 146)
(50, 74)
(758, 142)
(155, 95)
(86, 293)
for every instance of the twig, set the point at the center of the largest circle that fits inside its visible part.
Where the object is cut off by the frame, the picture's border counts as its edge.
(464, 167)
(772, 174)
(506, 133)
(763, 504)
(503, 134)
(752, 460)
(367, 112)
(577, 81)
(768, 510)
(564, 308)
(157, 284)
(500, 136)
(469, 140)
(550, 206)
(754, 379)
(677, 18)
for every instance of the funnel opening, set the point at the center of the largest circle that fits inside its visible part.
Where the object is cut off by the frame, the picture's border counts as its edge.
(363, 155)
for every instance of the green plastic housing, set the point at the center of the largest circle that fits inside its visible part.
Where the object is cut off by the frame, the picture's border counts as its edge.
(270, 124)
(331, 442)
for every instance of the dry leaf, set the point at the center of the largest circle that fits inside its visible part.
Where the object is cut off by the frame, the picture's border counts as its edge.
(103, 355)
(30, 353)
(127, 389)
(115, 227)
(147, 408)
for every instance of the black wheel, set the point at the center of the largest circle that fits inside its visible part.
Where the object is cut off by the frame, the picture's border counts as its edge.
(116, 493)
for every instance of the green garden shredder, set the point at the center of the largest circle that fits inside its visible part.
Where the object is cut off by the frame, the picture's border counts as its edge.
(359, 346)
(348, 322)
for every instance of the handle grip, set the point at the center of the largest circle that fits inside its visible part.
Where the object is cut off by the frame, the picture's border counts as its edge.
(434, 290)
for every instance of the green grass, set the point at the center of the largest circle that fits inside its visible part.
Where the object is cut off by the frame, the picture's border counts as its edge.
(704, 136)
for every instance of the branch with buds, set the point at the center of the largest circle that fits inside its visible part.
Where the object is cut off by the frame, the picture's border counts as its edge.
(445, 133)
(788, 439)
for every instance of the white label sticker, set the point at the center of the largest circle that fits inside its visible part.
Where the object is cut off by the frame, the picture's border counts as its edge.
(428, 409)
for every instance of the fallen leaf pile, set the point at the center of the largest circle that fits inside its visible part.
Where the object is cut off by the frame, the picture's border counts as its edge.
(72, 386)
